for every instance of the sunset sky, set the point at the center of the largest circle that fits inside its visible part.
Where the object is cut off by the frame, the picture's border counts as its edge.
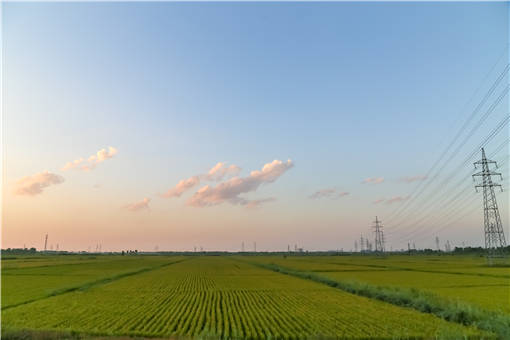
(181, 125)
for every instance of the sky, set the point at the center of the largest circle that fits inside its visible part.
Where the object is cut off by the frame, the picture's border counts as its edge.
(182, 125)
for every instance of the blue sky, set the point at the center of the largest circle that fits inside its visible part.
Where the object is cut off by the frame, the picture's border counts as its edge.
(348, 91)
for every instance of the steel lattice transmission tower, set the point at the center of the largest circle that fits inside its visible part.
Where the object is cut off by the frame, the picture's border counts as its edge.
(379, 236)
(494, 236)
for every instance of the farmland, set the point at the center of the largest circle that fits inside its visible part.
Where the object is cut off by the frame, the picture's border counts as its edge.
(229, 297)
(458, 278)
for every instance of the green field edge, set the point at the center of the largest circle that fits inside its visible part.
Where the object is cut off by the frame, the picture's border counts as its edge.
(90, 284)
(449, 310)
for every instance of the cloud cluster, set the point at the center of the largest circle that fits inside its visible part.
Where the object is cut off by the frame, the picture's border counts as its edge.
(330, 193)
(412, 179)
(34, 185)
(217, 173)
(230, 190)
(138, 206)
(92, 161)
(391, 200)
(373, 180)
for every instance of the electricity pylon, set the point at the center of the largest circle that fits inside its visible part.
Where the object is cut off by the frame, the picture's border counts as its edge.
(379, 236)
(494, 235)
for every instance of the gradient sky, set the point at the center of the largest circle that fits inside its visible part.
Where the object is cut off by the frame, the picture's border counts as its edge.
(361, 97)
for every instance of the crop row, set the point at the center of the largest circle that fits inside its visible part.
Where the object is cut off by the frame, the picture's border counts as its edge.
(223, 298)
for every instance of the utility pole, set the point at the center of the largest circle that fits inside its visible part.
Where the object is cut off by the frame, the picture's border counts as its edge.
(493, 228)
(45, 242)
(379, 236)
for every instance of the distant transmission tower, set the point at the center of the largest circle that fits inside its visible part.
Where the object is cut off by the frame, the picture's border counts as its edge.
(437, 244)
(494, 236)
(45, 242)
(361, 244)
(379, 236)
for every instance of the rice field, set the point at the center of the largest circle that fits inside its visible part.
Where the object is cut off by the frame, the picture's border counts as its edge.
(205, 296)
(462, 278)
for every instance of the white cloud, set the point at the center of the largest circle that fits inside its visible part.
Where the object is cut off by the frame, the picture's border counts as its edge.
(220, 170)
(412, 179)
(34, 185)
(182, 186)
(92, 161)
(139, 206)
(330, 193)
(373, 180)
(230, 190)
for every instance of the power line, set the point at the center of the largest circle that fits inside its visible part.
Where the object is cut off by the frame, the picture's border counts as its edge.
(452, 200)
(444, 183)
(491, 90)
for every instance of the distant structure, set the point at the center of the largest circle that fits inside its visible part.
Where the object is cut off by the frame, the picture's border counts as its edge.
(46, 242)
(379, 236)
(437, 244)
(494, 235)
(447, 246)
(355, 246)
(362, 244)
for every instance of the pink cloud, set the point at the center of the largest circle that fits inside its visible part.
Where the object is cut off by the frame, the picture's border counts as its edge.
(413, 179)
(330, 193)
(253, 204)
(373, 180)
(220, 170)
(138, 206)
(34, 185)
(379, 201)
(72, 165)
(230, 190)
(93, 160)
(182, 186)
